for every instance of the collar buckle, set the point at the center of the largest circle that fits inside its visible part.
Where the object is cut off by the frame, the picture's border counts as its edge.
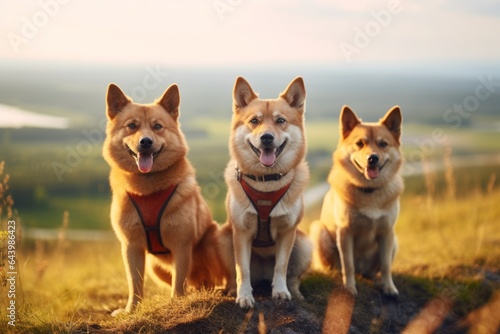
(238, 173)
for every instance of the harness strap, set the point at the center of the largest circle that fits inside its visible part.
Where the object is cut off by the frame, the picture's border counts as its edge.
(150, 208)
(264, 203)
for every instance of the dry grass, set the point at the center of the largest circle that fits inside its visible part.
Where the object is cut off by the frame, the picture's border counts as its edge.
(447, 270)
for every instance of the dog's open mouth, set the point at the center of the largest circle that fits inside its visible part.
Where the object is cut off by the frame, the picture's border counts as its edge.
(268, 155)
(370, 172)
(144, 160)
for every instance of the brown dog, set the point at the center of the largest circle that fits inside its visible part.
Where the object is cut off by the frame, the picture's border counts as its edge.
(266, 176)
(157, 211)
(356, 228)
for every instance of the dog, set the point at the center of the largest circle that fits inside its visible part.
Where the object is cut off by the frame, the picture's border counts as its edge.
(266, 176)
(355, 232)
(157, 211)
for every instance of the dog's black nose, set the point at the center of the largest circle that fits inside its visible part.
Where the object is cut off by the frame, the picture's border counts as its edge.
(266, 139)
(372, 160)
(146, 142)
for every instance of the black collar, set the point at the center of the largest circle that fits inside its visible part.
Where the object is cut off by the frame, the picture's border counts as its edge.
(366, 190)
(261, 178)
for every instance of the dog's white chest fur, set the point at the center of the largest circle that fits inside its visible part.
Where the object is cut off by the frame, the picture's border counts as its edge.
(374, 217)
(373, 213)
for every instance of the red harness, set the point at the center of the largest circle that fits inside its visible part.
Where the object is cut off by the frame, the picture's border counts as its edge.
(150, 208)
(264, 203)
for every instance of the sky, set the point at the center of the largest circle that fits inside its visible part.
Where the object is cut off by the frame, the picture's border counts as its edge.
(237, 32)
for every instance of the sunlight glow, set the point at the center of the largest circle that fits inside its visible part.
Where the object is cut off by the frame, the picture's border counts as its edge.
(221, 32)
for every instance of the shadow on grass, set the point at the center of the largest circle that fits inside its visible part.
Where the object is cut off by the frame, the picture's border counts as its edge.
(466, 302)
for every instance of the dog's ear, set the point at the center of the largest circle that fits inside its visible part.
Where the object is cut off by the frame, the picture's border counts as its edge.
(242, 94)
(295, 93)
(348, 121)
(116, 100)
(393, 120)
(171, 100)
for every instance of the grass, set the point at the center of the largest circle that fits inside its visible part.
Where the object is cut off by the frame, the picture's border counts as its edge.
(447, 268)
(448, 232)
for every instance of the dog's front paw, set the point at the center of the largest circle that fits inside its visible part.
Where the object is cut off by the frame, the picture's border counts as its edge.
(282, 294)
(245, 302)
(118, 312)
(351, 289)
(245, 298)
(280, 289)
(390, 290)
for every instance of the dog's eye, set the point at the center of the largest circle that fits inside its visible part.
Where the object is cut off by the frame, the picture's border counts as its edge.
(132, 126)
(254, 121)
(158, 126)
(382, 144)
(280, 120)
(360, 143)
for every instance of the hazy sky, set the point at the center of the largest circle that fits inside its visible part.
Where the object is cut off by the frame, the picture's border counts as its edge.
(234, 32)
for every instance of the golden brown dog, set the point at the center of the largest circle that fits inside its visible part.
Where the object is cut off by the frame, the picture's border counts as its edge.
(266, 176)
(356, 229)
(157, 211)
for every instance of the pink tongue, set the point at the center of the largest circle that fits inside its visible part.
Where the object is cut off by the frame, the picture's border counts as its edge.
(267, 157)
(145, 162)
(372, 172)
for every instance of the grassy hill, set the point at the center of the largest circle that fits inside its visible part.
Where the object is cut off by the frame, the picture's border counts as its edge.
(447, 270)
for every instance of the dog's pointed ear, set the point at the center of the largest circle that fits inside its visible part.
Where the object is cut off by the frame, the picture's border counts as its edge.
(171, 100)
(116, 100)
(393, 120)
(243, 94)
(348, 121)
(295, 93)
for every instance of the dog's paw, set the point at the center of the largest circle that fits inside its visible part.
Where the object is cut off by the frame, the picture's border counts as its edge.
(390, 290)
(244, 297)
(118, 312)
(281, 294)
(245, 302)
(280, 289)
(296, 294)
(351, 289)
